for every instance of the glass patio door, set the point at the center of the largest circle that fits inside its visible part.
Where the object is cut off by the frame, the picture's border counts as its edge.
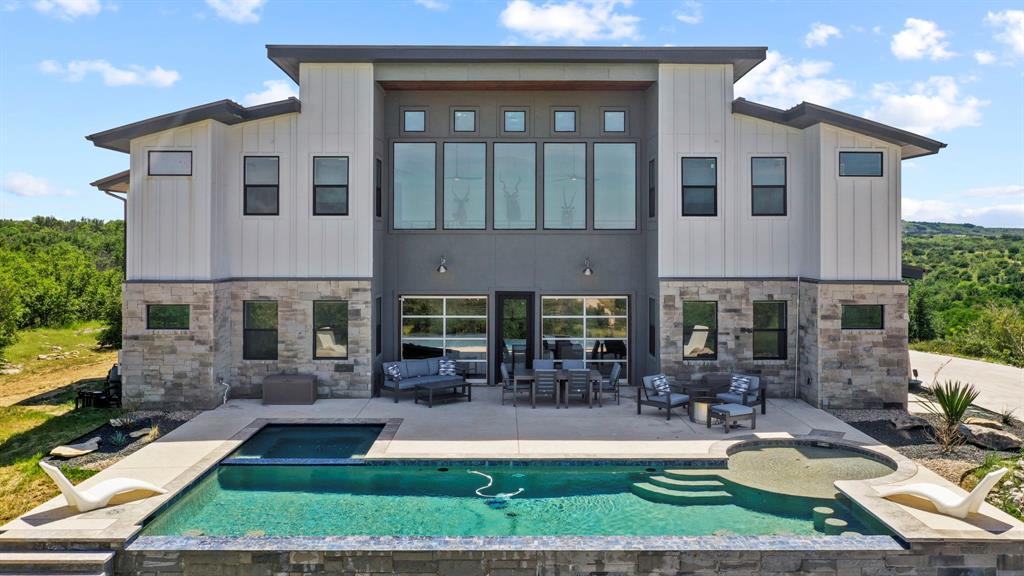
(514, 333)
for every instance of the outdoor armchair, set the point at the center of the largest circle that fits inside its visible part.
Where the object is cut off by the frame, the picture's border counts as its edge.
(657, 391)
(742, 389)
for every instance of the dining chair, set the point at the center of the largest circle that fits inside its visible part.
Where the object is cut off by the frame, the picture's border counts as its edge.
(610, 385)
(545, 383)
(578, 382)
(508, 386)
(543, 364)
(572, 365)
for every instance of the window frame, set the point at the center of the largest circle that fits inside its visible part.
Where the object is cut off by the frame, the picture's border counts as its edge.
(785, 186)
(348, 196)
(276, 330)
(378, 188)
(149, 319)
(652, 189)
(316, 328)
(476, 120)
(592, 186)
(426, 120)
(526, 121)
(575, 120)
(438, 173)
(149, 162)
(782, 331)
(625, 121)
(881, 164)
(586, 184)
(712, 332)
(652, 327)
(881, 317)
(537, 182)
(488, 162)
(245, 187)
(683, 187)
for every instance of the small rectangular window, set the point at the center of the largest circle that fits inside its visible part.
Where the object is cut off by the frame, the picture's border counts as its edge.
(170, 162)
(615, 121)
(167, 316)
(652, 189)
(515, 121)
(330, 185)
(700, 330)
(259, 330)
(770, 330)
(414, 121)
(330, 322)
(378, 322)
(565, 120)
(700, 186)
(464, 121)
(768, 186)
(863, 317)
(378, 188)
(865, 164)
(652, 327)
(261, 185)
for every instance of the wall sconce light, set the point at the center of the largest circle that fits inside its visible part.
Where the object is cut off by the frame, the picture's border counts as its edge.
(443, 266)
(587, 270)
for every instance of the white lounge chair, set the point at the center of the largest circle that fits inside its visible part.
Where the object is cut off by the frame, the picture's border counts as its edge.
(945, 500)
(99, 495)
(326, 345)
(698, 338)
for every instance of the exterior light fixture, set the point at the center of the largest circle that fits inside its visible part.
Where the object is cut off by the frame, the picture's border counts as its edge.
(443, 266)
(587, 270)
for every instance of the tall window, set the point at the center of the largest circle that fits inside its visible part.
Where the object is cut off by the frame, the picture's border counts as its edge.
(652, 327)
(330, 321)
(170, 163)
(863, 317)
(414, 185)
(768, 186)
(700, 330)
(860, 164)
(330, 185)
(259, 330)
(652, 189)
(378, 187)
(770, 330)
(261, 185)
(700, 187)
(614, 186)
(515, 186)
(465, 166)
(456, 327)
(167, 316)
(565, 186)
(594, 329)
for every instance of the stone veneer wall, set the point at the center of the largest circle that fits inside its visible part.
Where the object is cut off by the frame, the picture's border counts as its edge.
(180, 368)
(837, 368)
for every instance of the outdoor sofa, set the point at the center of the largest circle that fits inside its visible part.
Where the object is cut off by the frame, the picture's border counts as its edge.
(405, 375)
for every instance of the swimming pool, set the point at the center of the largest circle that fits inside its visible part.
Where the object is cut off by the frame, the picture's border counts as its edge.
(503, 498)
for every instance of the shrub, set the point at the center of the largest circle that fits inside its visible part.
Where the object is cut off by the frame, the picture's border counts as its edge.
(952, 400)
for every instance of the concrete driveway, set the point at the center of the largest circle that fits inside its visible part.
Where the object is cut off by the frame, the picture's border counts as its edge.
(1001, 386)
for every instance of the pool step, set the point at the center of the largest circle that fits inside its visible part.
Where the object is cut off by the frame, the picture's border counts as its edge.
(46, 563)
(676, 484)
(656, 493)
(693, 474)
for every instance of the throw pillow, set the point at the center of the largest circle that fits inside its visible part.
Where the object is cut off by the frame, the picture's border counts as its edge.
(394, 371)
(446, 367)
(660, 384)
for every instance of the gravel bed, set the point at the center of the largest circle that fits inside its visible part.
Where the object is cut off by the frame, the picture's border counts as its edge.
(109, 453)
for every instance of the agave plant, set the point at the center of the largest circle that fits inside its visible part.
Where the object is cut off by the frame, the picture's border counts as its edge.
(119, 438)
(952, 399)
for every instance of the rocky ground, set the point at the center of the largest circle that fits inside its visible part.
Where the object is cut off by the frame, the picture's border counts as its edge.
(120, 441)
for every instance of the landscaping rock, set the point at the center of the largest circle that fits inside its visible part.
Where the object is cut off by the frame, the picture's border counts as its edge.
(140, 433)
(908, 422)
(990, 438)
(10, 369)
(986, 422)
(73, 450)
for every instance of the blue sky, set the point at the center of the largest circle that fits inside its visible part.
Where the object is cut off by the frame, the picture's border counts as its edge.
(951, 70)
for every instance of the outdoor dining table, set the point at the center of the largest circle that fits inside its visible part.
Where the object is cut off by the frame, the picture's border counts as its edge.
(562, 380)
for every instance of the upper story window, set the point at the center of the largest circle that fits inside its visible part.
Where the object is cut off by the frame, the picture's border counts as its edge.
(330, 185)
(514, 121)
(860, 164)
(262, 178)
(414, 185)
(614, 186)
(465, 167)
(515, 186)
(700, 186)
(565, 120)
(768, 186)
(414, 121)
(170, 162)
(464, 121)
(167, 316)
(614, 120)
(565, 185)
(863, 317)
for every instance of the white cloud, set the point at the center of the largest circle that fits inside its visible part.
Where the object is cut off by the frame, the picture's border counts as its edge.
(575, 20)
(438, 5)
(984, 57)
(920, 39)
(1011, 24)
(1011, 190)
(29, 186)
(273, 90)
(781, 83)
(876, 30)
(77, 70)
(999, 215)
(238, 11)
(68, 9)
(820, 34)
(932, 106)
(690, 13)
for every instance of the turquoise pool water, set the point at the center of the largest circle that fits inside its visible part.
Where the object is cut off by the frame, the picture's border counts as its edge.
(313, 441)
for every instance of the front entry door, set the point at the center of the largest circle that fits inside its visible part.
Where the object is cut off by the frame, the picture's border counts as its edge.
(514, 332)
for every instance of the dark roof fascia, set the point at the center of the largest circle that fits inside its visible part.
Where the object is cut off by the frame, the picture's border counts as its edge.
(911, 272)
(288, 57)
(113, 183)
(806, 114)
(224, 111)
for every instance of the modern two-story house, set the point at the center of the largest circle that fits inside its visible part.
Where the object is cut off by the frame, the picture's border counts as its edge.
(500, 204)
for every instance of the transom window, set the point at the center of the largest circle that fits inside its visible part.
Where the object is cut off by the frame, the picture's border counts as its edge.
(867, 164)
(330, 323)
(565, 186)
(514, 121)
(565, 120)
(259, 330)
(768, 186)
(863, 317)
(330, 185)
(170, 162)
(262, 191)
(167, 316)
(700, 186)
(770, 330)
(593, 329)
(614, 120)
(515, 186)
(465, 197)
(464, 121)
(414, 121)
(700, 330)
(413, 185)
(452, 326)
(614, 186)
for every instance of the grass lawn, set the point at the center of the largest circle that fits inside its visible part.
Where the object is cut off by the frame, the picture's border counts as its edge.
(1001, 497)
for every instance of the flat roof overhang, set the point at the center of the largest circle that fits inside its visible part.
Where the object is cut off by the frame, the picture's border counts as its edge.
(114, 183)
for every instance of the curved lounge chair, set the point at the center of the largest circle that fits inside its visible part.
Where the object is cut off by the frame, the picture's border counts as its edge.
(698, 338)
(945, 500)
(99, 495)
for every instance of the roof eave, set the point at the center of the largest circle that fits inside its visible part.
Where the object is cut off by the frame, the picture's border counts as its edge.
(114, 183)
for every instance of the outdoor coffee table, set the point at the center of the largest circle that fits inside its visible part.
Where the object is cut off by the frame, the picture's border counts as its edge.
(443, 392)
